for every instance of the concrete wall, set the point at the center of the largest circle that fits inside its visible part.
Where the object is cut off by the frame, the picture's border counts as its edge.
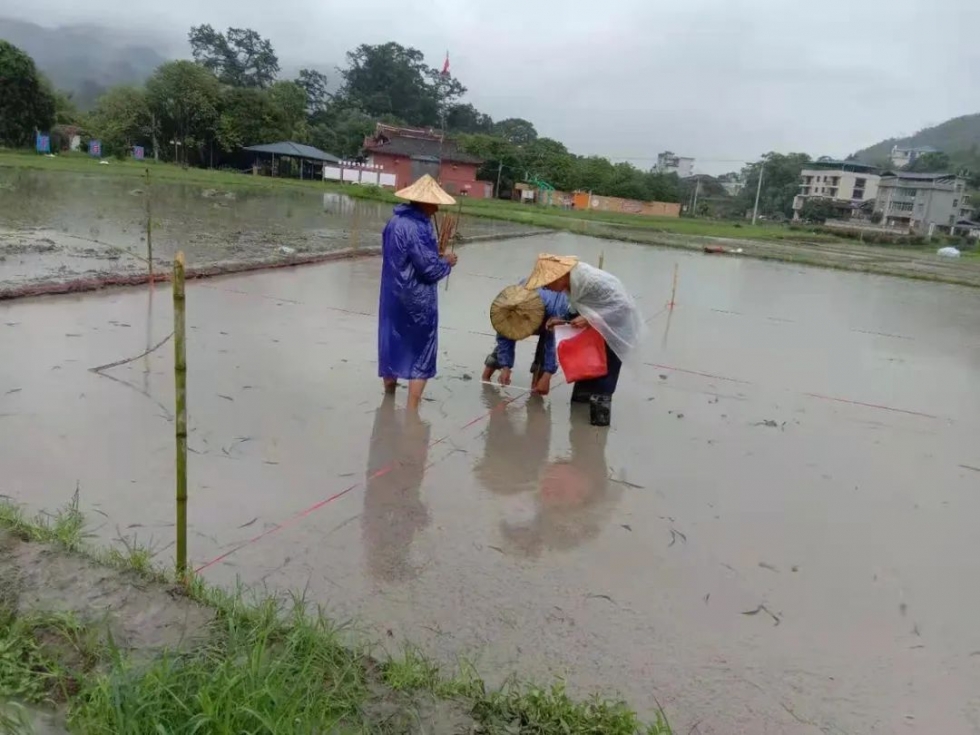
(456, 178)
(460, 178)
(583, 200)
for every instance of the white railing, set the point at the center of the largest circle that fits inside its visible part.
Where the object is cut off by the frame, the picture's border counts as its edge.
(351, 172)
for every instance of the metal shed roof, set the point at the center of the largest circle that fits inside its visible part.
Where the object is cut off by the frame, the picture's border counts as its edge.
(297, 150)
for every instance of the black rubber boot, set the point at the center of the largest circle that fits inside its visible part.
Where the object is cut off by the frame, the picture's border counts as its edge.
(600, 410)
(579, 395)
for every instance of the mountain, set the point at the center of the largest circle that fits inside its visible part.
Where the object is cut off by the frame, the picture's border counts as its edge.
(959, 138)
(83, 59)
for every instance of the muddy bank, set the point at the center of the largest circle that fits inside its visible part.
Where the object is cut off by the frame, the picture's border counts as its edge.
(91, 647)
(62, 227)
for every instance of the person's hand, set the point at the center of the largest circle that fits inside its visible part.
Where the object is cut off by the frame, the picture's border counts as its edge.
(504, 378)
(543, 386)
(579, 321)
(451, 259)
(553, 322)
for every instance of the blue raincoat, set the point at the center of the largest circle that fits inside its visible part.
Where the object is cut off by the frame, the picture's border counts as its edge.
(408, 315)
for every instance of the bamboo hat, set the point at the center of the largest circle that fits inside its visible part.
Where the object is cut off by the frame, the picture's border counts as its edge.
(517, 313)
(549, 268)
(426, 191)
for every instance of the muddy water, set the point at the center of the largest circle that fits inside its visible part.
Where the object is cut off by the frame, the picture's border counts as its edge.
(776, 535)
(64, 225)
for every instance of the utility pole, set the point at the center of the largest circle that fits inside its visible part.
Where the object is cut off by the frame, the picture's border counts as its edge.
(758, 191)
(697, 190)
(500, 170)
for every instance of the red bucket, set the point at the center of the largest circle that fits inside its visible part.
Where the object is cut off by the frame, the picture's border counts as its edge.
(583, 356)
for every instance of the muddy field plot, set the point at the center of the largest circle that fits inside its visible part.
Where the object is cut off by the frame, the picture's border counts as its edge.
(778, 534)
(65, 226)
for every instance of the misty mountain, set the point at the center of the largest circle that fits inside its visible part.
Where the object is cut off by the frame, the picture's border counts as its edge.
(83, 59)
(959, 138)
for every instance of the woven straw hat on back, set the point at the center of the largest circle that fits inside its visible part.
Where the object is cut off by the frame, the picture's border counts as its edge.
(549, 268)
(517, 313)
(427, 191)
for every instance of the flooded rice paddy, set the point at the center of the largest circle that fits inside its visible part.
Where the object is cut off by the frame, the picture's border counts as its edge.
(62, 226)
(777, 535)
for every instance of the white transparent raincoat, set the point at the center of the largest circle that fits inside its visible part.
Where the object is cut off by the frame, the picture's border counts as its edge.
(603, 300)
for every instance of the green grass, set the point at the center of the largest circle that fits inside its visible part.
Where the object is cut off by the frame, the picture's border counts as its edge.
(268, 665)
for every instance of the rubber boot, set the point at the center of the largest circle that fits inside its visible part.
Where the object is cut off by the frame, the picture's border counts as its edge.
(580, 395)
(600, 410)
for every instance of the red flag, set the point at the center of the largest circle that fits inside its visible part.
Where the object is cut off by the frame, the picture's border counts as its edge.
(445, 66)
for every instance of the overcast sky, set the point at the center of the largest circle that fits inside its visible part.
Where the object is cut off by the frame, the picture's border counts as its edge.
(721, 80)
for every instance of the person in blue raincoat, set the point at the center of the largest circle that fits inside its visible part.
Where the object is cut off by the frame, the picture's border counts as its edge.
(408, 313)
(556, 308)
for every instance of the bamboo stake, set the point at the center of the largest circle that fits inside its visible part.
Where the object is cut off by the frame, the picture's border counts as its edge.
(673, 290)
(180, 386)
(354, 233)
(149, 225)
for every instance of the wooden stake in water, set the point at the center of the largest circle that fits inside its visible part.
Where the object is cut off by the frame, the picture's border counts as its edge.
(602, 259)
(149, 225)
(180, 386)
(354, 232)
(673, 290)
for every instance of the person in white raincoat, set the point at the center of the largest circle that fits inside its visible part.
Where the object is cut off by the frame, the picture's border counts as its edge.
(598, 299)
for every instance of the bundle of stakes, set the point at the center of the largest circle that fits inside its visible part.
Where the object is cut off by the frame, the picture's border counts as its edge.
(447, 231)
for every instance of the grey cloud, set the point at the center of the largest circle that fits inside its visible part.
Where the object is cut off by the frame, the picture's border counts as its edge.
(722, 80)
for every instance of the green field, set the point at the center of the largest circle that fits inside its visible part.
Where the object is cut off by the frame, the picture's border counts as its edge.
(553, 218)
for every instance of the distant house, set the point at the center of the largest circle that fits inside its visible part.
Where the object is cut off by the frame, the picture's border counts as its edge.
(922, 202)
(847, 184)
(409, 153)
(903, 157)
(668, 163)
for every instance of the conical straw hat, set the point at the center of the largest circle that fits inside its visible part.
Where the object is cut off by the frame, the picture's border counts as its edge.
(517, 313)
(427, 191)
(549, 268)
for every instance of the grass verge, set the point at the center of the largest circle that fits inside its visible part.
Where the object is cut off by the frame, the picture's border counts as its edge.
(263, 665)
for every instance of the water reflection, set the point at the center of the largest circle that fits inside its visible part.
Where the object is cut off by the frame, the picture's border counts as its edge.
(393, 509)
(549, 506)
(513, 458)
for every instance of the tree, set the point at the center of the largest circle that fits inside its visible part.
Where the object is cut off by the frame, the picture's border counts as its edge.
(516, 130)
(818, 209)
(184, 99)
(289, 99)
(26, 101)
(341, 131)
(122, 118)
(780, 183)
(499, 157)
(465, 118)
(390, 79)
(314, 84)
(248, 117)
(240, 57)
(932, 162)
